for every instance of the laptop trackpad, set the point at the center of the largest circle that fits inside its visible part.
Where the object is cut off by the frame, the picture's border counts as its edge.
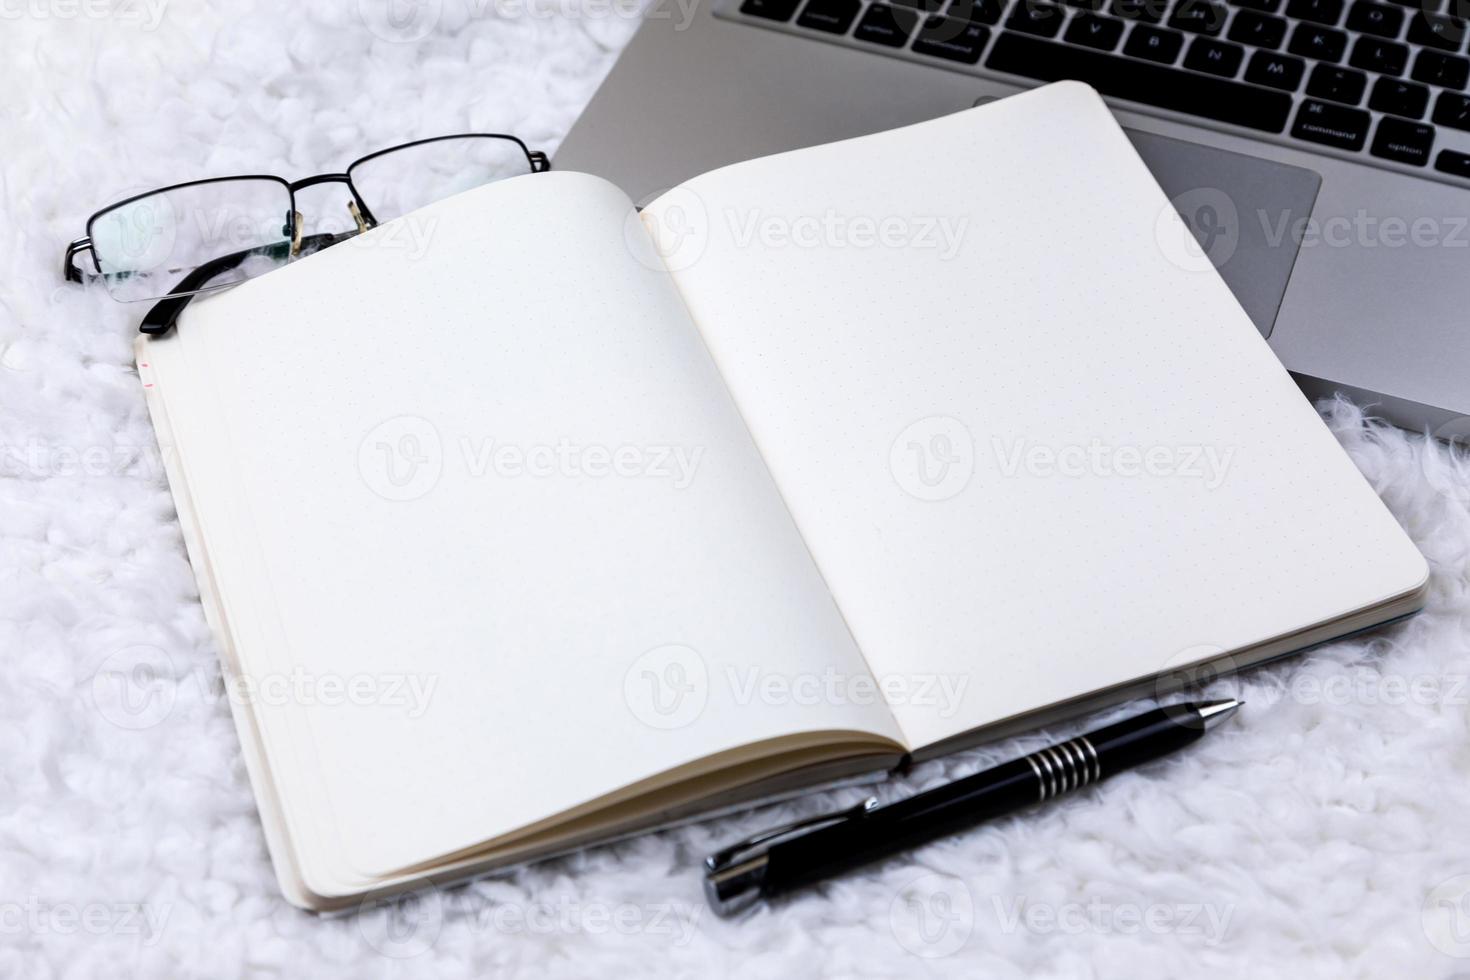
(1243, 210)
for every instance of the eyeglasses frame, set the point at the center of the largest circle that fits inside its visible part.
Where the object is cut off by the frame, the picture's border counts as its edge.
(160, 319)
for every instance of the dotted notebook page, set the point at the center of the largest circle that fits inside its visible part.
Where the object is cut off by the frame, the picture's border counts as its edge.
(1037, 455)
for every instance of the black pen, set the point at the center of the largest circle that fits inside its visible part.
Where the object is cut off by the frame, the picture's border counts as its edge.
(785, 858)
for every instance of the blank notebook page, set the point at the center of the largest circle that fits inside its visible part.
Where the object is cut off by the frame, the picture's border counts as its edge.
(340, 422)
(906, 396)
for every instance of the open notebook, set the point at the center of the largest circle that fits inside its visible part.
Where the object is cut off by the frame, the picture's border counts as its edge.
(564, 535)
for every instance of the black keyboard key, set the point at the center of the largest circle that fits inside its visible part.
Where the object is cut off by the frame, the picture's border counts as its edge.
(1214, 57)
(1198, 17)
(1453, 163)
(770, 9)
(1262, 30)
(1030, 17)
(977, 11)
(1384, 57)
(1165, 88)
(1404, 141)
(1375, 18)
(1418, 4)
(1331, 125)
(1338, 84)
(1276, 70)
(1452, 110)
(888, 26)
(1264, 6)
(1094, 31)
(952, 38)
(1319, 11)
(1444, 70)
(923, 6)
(1143, 11)
(1154, 44)
(1317, 42)
(833, 16)
(1399, 98)
(1437, 31)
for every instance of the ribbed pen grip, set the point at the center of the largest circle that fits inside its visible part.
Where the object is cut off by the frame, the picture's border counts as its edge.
(1062, 768)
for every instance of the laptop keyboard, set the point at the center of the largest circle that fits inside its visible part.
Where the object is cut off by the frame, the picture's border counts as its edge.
(1386, 80)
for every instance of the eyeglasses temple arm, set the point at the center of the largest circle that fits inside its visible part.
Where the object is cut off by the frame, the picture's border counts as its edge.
(540, 162)
(69, 270)
(161, 318)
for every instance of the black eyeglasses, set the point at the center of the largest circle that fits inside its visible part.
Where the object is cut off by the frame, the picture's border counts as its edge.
(173, 243)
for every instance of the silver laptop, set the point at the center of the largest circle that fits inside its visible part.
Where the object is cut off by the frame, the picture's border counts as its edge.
(1320, 149)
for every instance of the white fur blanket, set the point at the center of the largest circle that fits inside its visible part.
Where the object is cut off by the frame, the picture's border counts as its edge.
(1323, 835)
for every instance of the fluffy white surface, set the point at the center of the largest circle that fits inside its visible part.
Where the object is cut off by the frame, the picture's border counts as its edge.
(1304, 841)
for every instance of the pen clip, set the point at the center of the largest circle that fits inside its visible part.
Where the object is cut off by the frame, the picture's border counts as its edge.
(728, 856)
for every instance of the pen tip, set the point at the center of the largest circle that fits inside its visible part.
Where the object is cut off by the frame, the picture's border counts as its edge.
(1212, 713)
